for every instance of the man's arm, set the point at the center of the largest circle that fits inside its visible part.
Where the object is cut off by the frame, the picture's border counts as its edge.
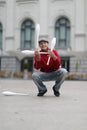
(37, 59)
(51, 53)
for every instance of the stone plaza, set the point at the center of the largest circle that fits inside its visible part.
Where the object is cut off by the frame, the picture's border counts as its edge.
(67, 112)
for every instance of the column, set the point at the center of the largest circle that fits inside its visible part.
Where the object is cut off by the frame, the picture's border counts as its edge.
(10, 17)
(79, 16)
(79, 25)
(44, 17)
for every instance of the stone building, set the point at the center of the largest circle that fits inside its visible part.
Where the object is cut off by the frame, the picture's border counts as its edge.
(64, 19)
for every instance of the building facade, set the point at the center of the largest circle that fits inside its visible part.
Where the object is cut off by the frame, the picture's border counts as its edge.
(64, 19)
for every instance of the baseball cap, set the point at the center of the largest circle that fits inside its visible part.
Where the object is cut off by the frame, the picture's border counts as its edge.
(43, 39)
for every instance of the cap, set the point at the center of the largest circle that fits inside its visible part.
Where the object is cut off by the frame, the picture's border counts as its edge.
(43, 39)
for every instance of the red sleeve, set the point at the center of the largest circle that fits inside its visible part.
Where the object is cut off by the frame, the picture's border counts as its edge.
(58, 60)
(37, 63)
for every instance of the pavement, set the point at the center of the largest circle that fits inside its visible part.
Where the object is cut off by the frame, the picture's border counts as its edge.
(67, 112)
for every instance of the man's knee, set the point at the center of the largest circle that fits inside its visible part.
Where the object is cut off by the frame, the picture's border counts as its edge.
(35, 75)
(64, 71)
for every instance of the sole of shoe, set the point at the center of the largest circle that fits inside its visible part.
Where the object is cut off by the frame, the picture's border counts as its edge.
(42, 94)
(56, 93)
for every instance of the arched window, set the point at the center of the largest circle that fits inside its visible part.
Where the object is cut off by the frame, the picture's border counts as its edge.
(62, 33)
(27, 34)
(1, 36)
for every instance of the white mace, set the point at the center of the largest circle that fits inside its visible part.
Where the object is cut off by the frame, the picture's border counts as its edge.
(51, 47)
(37, 32)
(10, 93)
(29, 52)
(37, 35)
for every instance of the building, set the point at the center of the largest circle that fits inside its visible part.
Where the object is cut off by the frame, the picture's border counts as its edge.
(64, 19)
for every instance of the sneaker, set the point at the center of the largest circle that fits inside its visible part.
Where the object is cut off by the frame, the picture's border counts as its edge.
(41, 93)
(56, 93)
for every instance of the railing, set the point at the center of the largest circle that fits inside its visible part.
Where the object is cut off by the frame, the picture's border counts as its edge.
(69, 76)
(8, 74)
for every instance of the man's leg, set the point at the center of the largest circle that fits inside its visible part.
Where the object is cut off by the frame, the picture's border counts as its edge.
(38, 78)
(60, 78)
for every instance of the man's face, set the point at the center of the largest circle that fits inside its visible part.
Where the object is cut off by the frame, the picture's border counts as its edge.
(43, 45)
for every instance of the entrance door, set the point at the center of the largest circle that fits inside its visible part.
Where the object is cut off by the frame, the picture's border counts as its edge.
(0, 63)
(66, 63)
(27, 63)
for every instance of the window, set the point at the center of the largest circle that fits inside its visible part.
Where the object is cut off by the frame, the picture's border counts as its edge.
(27, 35)
(62, 33)
(0, 36)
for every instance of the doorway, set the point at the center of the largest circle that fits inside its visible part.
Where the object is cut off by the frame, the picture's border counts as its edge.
(27, 63)
(65, 61)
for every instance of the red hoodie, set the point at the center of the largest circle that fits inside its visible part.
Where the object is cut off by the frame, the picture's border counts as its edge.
(42, 63)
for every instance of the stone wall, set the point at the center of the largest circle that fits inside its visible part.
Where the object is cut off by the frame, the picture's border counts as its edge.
(10, 64)
(78, 65)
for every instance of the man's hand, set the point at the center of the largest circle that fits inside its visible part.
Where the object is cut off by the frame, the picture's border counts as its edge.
(37, 54)
(52, 54)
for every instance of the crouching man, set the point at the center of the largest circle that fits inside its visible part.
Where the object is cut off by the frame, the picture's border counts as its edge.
(48, 72)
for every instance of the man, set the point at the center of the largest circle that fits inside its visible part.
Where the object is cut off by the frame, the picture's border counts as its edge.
(52, 71)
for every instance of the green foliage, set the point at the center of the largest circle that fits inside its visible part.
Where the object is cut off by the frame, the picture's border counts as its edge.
(26, 65)
(76, 67)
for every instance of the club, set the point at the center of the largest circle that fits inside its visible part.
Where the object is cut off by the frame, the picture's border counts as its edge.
(10, 93)
(52, 47)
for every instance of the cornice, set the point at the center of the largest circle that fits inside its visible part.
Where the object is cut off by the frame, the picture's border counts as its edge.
(2, 3)
(60, 0)
(26, 1)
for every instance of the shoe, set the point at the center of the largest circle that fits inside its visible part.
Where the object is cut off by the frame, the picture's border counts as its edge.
(41, 93)
(56, 93)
